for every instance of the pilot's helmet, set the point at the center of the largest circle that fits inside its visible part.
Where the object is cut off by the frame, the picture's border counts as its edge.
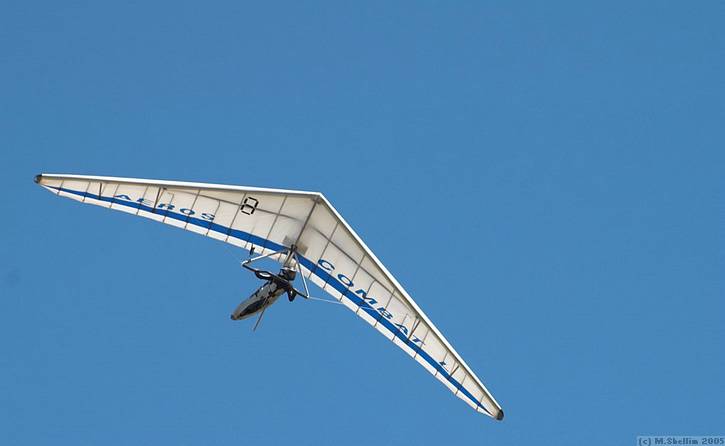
(288, 273)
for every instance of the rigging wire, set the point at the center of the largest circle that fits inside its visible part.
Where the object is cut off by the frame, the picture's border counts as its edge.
(325, 300)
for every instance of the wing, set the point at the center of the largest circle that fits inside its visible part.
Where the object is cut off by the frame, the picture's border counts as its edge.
(337, 260)
(242, 216)
(331, 255)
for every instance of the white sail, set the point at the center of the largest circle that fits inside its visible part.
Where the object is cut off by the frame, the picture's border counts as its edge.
(330, 253)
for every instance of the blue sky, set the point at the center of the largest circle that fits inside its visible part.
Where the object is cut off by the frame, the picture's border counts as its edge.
(544, 179)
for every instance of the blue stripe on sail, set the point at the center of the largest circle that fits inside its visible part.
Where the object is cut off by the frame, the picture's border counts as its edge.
(310, 265)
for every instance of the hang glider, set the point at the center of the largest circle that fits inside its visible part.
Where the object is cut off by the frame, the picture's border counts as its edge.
(302, 231)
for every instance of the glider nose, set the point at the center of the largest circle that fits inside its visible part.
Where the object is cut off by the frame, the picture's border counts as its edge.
(499, 416)
(37, 178)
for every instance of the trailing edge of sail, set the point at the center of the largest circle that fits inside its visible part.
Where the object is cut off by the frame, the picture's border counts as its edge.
(331, 255)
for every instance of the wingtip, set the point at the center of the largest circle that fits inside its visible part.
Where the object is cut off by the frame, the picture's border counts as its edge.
(499, 416)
